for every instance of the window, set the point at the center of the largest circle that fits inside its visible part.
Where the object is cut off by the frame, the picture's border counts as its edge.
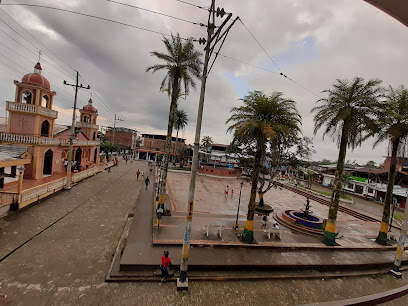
(350, 185)
(45, 128)
(370, 190)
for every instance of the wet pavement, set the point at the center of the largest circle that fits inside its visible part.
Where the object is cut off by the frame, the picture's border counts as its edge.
(66, 263)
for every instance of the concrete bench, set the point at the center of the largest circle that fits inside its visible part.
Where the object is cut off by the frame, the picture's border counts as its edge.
(217, 228)
(269, 232)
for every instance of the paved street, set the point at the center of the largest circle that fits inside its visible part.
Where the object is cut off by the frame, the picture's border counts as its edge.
(66, 264)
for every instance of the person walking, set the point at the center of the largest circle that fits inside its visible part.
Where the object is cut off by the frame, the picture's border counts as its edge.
(165, 265)
(264, 219)
(151, 169)
(232, 193)
(226, 191)
(142, 174)
(137, 174)
(147, 181)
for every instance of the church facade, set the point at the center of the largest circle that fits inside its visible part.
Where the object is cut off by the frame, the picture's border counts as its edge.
(31, 123)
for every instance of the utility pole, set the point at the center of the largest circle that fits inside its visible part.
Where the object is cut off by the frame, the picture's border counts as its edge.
(401, 243)
(212, 40)
(114, 127)
(71, 138)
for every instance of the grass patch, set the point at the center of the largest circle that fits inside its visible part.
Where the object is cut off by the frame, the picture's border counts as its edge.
(398, 215)
(326, 193)
(178, 168)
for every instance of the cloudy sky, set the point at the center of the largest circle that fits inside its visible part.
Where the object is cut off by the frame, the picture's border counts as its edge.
(314, 42)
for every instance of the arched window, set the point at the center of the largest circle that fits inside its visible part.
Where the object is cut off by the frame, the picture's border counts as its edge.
(27, 97)
(45, 128)
(44, 101)
(86, 119)
(94, 136)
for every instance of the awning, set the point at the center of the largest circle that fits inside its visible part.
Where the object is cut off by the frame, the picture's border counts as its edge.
(395, 8)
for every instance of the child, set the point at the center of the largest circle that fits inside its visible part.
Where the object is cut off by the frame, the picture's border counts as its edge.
(232, 192)
(226, 191)
(264, 219)
(165, 265)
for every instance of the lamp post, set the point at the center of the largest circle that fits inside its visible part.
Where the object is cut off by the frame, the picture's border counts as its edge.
(401, 243)
(239, 204)
(20, 182)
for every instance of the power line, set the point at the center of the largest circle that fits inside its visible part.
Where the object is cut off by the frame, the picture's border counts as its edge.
(260, 45)
(188, 3)
(91, 16)
(38, 41)
(30, 41)
(277, 73)
(34, 53)
(281, 73)
(154, 12)
(271, 71)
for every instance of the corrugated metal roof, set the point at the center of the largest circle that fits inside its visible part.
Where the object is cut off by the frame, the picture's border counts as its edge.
(8, 152)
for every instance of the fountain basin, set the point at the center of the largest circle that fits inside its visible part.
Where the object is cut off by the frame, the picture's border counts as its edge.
(299, 218)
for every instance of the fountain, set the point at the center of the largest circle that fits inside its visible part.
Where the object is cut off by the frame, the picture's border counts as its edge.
(302, 220)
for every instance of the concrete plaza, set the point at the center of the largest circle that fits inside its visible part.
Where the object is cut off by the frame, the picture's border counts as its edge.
(60, 250)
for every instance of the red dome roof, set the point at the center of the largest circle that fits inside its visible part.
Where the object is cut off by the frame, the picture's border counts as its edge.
(36, 78)
(89, 107)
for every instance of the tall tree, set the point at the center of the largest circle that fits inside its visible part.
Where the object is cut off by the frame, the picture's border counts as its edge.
(183, 65)
(392, 126)
(261, 120)
(180, 122)
(348, 116)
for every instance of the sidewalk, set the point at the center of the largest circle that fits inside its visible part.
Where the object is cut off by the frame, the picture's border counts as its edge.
(30, 183)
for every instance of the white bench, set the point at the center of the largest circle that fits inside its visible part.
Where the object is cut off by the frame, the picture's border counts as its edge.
(273, 231)
(217, 228)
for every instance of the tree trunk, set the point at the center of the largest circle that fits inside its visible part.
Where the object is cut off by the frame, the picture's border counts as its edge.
(173, 105)
(330, 230)
(382, 235)
(248, 235)
(175, 146)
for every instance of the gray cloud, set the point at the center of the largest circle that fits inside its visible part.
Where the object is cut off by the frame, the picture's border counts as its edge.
(314, 42)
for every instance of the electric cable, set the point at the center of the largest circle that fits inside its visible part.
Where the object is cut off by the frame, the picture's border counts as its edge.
(37, 40)
(188, 3)
(154, 12)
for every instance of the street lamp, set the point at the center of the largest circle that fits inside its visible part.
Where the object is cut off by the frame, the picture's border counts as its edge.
(239, 204)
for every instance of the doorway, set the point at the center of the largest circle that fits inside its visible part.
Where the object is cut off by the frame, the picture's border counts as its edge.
(47, 168)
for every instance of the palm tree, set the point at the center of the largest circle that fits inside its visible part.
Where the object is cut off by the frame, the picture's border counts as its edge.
(180, 122)
(182, 65)
(392, 126)
(348, 117)
(207, 142)
(261, 120)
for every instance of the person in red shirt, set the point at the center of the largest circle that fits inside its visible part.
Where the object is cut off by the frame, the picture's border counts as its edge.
(165, 265)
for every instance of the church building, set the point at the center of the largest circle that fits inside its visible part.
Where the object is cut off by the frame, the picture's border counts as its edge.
(31, 123)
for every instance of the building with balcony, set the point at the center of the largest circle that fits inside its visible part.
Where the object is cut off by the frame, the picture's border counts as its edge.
(31, 123)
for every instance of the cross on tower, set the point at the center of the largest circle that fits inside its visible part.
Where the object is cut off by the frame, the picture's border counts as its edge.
(39, 55)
